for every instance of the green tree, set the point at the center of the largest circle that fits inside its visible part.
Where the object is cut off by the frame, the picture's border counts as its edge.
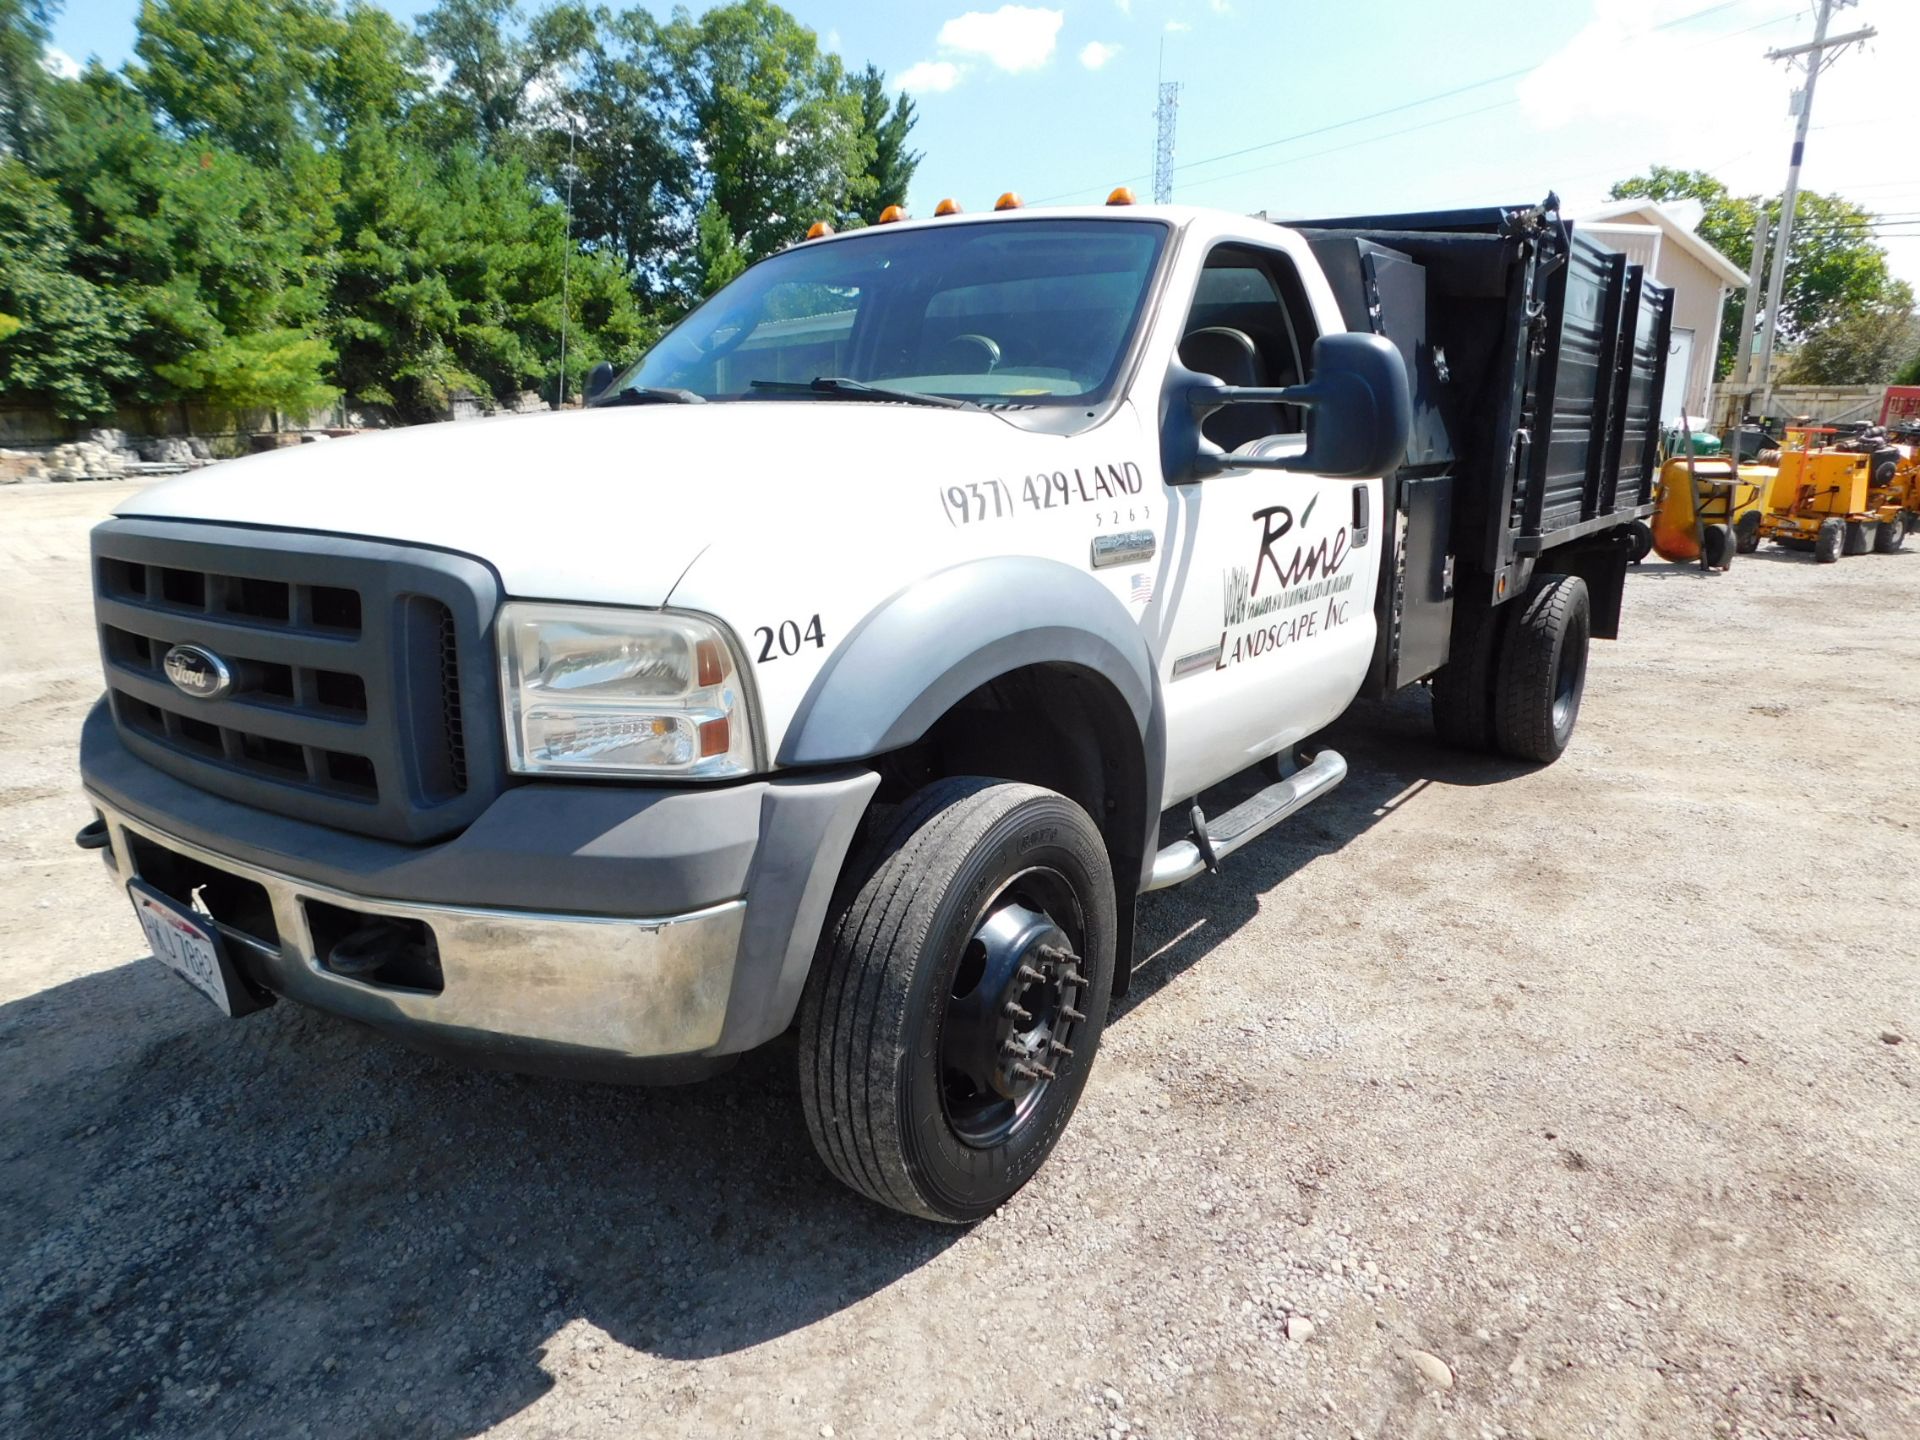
(621, 141)
(498, 69)
(23, 79)
(66, 343)
(1862, 345)
(218, 274)
(772, 118)
(716, 258)
(243, 73)
(1834, 267)
(885, 122)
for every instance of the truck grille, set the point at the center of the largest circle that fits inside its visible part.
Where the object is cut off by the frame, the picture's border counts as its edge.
(349, 697)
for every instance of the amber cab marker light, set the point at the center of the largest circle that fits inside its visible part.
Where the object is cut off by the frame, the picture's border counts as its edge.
(1009, 201)
(817, 229)
(1122, 195)
(948, 206)
(891, 214)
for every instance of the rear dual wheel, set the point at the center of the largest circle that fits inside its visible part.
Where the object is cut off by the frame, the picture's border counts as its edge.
(1517, 671)
(1893, 534)
(947, 1034)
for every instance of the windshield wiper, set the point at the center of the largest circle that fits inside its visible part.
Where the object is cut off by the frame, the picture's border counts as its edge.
(860, 390)
(652, 395)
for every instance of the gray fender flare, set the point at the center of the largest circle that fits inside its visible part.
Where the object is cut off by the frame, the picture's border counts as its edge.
(927, 646)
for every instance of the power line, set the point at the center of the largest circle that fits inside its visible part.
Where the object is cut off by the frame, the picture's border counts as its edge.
(1423, 101)
(1354, 144)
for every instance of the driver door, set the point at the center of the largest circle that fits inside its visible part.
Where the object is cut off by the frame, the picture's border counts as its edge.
(1273, 630)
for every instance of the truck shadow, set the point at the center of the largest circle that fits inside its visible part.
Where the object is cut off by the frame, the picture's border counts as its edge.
(290, 1225)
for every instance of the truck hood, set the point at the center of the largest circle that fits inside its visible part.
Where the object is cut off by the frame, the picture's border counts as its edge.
(608, 505)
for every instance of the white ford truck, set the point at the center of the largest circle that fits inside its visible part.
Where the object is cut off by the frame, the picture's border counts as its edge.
(833, 669)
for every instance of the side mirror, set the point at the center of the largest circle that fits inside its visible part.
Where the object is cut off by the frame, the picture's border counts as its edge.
(1359, 414)
(598, 378)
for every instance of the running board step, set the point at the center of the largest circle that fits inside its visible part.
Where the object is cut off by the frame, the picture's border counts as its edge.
(1247, 821)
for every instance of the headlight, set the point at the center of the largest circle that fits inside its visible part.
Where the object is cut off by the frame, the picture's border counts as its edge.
(595, 691)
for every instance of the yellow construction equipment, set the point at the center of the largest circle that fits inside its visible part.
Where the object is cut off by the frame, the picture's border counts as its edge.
(1895, 482)
(1710, 507)
(1820, 500)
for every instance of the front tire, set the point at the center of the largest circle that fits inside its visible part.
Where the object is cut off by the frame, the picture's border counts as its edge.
(1893, 534)
(948, 1031)
(1830, 541)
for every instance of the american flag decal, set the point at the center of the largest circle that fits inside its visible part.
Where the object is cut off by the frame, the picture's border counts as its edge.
(1141, 589)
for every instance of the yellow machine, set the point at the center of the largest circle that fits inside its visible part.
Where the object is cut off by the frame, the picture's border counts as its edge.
(1711, 505)
(1896, 484)
(1820, 500)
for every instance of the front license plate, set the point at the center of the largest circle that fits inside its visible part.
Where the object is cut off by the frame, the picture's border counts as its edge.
(183, 942)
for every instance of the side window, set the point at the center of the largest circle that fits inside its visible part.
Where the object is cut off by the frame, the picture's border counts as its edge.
(1250, 325)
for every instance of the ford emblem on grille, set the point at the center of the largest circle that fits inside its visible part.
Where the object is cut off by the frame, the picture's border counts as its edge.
(197, 672)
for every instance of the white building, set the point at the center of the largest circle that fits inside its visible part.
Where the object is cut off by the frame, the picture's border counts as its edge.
(1660, 234)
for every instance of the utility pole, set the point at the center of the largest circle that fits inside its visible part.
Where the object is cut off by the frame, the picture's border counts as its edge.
(1164, 115)
(1815, 53)
(1742, 358)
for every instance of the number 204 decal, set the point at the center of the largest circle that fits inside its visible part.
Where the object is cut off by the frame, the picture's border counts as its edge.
(787, 638)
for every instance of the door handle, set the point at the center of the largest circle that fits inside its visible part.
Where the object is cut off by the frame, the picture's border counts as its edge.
(1362, 516)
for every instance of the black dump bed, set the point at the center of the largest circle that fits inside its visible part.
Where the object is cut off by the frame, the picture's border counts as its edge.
(1536, 357)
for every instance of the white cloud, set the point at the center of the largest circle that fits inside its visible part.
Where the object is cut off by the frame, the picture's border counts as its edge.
(830, 42)
(1178, 27)
(58, 62)
(1600, 76)
(1095, 54)
(1014, 37)
(1220, 7)
(929, 77)
(1126, 6)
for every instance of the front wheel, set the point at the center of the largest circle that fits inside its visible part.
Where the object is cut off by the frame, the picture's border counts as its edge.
(1893, 534)
(1719, 547)
(947, 1033)
(1829, 541)
(1746, 532)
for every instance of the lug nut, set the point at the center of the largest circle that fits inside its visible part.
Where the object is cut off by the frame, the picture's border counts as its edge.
(1025, 1071)
(1013, 1011)
(1030, 975)
(1063, 1050)
(1044, 1072)
(1068, 1012)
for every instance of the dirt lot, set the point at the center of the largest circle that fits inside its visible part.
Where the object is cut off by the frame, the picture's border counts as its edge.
(1584, 1082)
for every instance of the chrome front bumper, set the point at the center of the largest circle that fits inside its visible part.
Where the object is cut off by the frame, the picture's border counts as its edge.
(521, 988)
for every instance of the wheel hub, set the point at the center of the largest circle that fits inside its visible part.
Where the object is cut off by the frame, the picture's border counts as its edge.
(1009, 1020)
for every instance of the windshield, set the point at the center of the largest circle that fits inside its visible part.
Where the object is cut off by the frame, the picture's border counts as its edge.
(1028, 312)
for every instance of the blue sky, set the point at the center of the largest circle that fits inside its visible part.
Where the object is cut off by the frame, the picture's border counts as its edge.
(1055, 100)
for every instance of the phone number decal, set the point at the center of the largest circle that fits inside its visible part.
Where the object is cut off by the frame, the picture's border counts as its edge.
(973, 502)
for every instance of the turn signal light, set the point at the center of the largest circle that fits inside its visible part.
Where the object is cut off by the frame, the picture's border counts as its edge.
(891, 214)
(817, 229)
(948, 206)
(1122, 195)
(1009, 201)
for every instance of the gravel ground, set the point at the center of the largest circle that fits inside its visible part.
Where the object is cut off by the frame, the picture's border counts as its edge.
(1477, 1101)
